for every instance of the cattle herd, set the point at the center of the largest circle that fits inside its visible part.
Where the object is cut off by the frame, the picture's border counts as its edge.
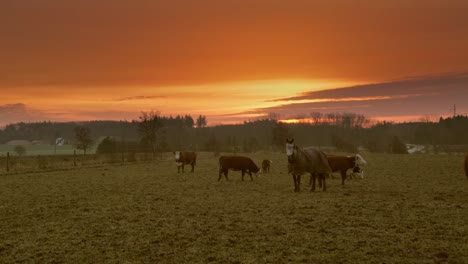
(300, 161)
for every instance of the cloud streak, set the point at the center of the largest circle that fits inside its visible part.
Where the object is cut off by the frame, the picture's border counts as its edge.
(140, 97)
(11, 113)
(19, 112)
(420, 96)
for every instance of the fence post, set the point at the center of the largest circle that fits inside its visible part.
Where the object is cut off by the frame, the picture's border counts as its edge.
(74, 157)
(8, 161)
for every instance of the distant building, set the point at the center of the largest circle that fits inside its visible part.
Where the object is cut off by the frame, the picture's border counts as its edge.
(19, 143)
(39, 142)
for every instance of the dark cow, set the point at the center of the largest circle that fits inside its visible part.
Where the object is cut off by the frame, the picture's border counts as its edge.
(466, 165)
(266, 166)
(237, 163)
(185, 157)
(343, 163)
(302, 160)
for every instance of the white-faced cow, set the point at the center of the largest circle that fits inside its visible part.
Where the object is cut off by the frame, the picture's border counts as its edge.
(237, 163)
(357, 172)
(303, 160)
(185, 157)
(344, 163)
(266, 166)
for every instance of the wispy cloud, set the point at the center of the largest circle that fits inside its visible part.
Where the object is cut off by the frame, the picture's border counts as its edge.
(12, 113)
(139, 97)
(344, 99)
(20, 112)
(431, 95)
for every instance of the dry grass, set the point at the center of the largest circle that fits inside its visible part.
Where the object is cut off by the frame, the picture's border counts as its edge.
(408, 209)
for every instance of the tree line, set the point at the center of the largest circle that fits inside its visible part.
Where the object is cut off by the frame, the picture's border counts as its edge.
(154, 133)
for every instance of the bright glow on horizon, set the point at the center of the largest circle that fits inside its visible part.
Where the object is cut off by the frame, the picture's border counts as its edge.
(234, 102)
(222, 103)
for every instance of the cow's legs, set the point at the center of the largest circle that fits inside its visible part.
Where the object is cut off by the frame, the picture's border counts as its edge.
(324, 186)
(193, 166)
(343, 177)
(178, 169)
(295, 182)
(313, 182)
(298, 179)
(250, 174)
(221, 171)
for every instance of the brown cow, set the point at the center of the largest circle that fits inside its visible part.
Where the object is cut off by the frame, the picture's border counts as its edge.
(466, 165)
(343, 163)
(237, 163)
(266, 166)
(185, 157)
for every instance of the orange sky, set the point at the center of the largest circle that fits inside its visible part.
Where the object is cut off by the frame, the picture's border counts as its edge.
(81, 60)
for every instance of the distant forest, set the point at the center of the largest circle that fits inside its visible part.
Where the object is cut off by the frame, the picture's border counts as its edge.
(345, 131)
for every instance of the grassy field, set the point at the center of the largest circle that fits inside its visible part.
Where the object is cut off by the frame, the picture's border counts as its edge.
(408, 209)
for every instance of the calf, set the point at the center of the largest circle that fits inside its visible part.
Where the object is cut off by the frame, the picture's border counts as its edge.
(266, 166)
(343, 163)
(185, 157)
(237, 163)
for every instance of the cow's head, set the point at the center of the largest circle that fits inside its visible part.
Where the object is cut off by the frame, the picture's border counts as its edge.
(177, 157)
(256, 170)
(358, 172)
(359, 160)
(291, 150)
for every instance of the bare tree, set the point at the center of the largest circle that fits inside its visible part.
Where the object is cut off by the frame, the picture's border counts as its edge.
(201, 121)
(274, 116)
(149, 126)
(83, 139)
(279, 134)
(317, 117)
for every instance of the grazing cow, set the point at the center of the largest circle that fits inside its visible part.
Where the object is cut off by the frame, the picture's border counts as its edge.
(237, 163)
(302, 160)
(185, 157)
(266, 166)
(343, 163)
(356, 173)
(466, 165)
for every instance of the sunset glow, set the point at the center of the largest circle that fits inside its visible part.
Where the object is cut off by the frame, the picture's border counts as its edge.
(231, 60)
